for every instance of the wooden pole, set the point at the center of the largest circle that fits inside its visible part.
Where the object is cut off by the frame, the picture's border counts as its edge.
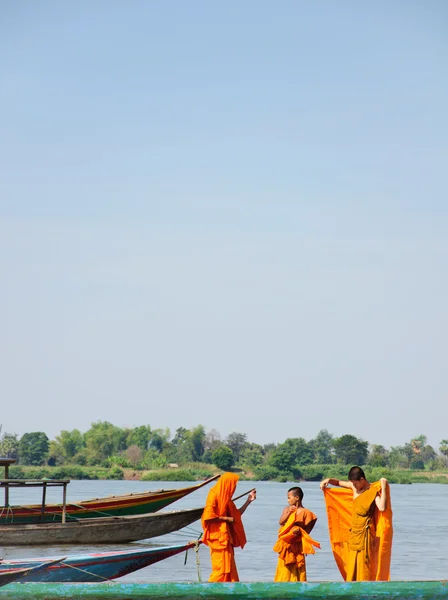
(64, 503)
(245, 494)
(7, 486)
(44, 495)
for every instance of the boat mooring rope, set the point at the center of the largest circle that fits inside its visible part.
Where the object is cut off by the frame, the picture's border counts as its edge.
(84, 571)
(9, 510)
(197, 543)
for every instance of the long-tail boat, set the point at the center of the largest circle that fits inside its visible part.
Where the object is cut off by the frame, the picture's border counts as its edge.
(103, 530)
(341, 590)
(111, 506)
(91, 567)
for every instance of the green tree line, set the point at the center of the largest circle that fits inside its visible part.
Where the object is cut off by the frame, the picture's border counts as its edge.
(144, 448)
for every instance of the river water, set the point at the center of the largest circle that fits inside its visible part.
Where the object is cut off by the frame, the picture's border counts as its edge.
(420, 546)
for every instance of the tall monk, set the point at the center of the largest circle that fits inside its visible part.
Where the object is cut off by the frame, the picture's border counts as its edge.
(360, 524)
(223, 527)
(294, 541)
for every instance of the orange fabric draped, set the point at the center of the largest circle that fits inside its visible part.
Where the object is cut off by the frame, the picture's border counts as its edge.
(360, 534)
(291, 549)
(223, 565)
(222, 537)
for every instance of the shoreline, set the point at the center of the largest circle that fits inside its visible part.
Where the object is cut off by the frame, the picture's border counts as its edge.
(190, 473)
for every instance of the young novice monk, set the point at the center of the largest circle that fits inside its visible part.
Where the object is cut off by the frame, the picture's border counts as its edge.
(294, 540)
(360, 524)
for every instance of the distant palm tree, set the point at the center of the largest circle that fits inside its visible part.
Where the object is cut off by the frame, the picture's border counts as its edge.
(444, 450)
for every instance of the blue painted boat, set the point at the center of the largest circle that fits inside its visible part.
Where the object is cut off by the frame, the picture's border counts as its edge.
(11, 575)
(15, 575)
(368, 590)
(95, 567)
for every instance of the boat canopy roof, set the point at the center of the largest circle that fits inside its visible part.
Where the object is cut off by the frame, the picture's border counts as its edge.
(33, 482)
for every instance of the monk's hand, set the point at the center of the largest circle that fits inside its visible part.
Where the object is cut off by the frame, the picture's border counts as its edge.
(292, 509)
(324, 483)
(252, 495)
(228, 519)
(383, 482)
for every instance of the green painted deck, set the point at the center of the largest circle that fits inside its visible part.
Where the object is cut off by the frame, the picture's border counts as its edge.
(392, 590)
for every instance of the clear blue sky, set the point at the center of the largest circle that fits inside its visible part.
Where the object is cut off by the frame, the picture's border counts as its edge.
(232, 214)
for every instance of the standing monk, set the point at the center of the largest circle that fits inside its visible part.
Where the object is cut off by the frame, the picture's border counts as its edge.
(360, 524)
(223, 527)
(294, 541)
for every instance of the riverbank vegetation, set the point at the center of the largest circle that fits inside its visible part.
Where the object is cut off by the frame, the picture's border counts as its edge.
(106, 451)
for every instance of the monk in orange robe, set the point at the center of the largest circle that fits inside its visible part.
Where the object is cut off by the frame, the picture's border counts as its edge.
(223, 527)
(294, 540)
(360, 524)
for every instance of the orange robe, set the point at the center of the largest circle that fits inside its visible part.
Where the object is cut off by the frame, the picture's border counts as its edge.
(360, 534)
(292, 548)
(222, 537)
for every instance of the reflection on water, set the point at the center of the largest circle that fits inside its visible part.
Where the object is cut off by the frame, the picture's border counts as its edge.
(420, 526)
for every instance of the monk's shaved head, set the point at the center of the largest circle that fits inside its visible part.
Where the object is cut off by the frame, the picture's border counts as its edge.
(296, 491)
(355, 474)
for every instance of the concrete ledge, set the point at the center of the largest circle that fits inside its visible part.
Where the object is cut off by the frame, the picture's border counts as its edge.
(392, 590)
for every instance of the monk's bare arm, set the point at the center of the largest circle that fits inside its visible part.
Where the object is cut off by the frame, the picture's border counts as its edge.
(381, 501)
(250, 498)
(338, 482)
(223, 519)
(285, 514)
(220, 520)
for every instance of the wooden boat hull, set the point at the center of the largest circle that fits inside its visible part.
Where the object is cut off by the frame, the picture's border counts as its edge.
(375, 590)
(107, 530)
(112, 506)
(11, 575)
(90, 567)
